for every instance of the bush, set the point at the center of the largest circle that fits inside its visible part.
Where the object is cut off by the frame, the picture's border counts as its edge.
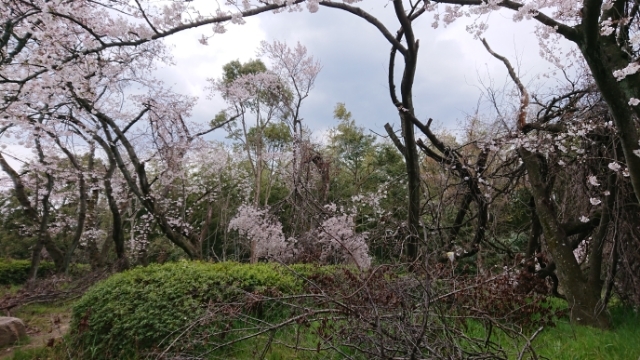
(144, 309)
(16, 272)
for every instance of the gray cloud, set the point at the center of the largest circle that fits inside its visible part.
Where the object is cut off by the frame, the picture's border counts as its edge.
(354, 56)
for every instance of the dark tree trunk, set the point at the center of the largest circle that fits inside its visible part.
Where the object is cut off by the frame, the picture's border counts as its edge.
(583, 295)
(35, 259)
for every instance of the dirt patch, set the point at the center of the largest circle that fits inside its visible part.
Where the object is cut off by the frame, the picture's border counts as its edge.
(42, 332)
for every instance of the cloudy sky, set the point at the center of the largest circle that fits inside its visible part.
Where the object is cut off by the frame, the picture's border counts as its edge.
(354, 56)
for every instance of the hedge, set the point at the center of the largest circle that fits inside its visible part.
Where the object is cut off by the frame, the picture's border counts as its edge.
(144, 309)
(16, 272)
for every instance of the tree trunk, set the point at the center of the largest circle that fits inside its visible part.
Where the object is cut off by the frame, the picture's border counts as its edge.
(583, 295)
(617, 100)
(117, 232)
(35, 260)
(413, 187)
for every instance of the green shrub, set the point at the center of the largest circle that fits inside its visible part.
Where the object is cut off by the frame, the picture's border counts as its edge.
(143, 309)
(16, 272)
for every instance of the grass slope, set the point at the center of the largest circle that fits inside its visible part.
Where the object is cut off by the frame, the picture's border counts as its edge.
(566, 342)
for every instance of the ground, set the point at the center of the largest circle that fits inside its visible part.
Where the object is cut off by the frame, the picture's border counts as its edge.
(46, 324)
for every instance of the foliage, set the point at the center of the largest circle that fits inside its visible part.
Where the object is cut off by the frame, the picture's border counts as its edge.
(191, 309)
(15, 239)
(562, 341)
(234, 69)
(139, 310)
(57, 352)
(353, 154)
(14, 272)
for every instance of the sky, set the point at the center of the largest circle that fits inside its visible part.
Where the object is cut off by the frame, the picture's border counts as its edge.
(354, 57)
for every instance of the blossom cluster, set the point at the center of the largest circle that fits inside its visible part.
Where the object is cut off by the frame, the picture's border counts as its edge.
(264, 232)
(336, 236)
(339, 239)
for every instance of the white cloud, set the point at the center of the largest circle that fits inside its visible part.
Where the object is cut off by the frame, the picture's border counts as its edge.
(195, 63)
(355, 59)
(16, 155)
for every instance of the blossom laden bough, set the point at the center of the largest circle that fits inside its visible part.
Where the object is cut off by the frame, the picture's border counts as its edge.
(338, 238)
(264, 232)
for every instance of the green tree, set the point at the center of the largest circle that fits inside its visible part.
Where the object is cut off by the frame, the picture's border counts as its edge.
(353, 152)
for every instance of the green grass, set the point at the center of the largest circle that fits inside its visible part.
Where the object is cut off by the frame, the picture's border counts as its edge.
(566, 342)
(41, 316)
(562, 342)
(40, 353)
(307, 341)
(6, 290)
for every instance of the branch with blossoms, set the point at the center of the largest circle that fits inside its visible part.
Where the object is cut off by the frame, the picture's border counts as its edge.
(338, 239)
(606, 36)
(37, 210)
(170, 138)
(105, 37)
(582, 289)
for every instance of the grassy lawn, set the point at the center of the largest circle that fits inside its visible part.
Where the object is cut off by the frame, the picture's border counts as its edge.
(566, 342)
(561, 342)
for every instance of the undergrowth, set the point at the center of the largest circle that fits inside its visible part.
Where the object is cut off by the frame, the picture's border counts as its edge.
(15, 272)
(140, 313)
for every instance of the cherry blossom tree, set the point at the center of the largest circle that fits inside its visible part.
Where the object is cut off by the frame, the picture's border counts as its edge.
(336, 237)
(577, 125)
(267, 102)
(38, 210)
(45, 44)
(604, 32)
(264, 232)
(605, 35)
(298, 71)
(266, 96)
(67, 61)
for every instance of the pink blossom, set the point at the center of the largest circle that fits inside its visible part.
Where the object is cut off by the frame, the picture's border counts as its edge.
(337, 235)
(614, 166)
